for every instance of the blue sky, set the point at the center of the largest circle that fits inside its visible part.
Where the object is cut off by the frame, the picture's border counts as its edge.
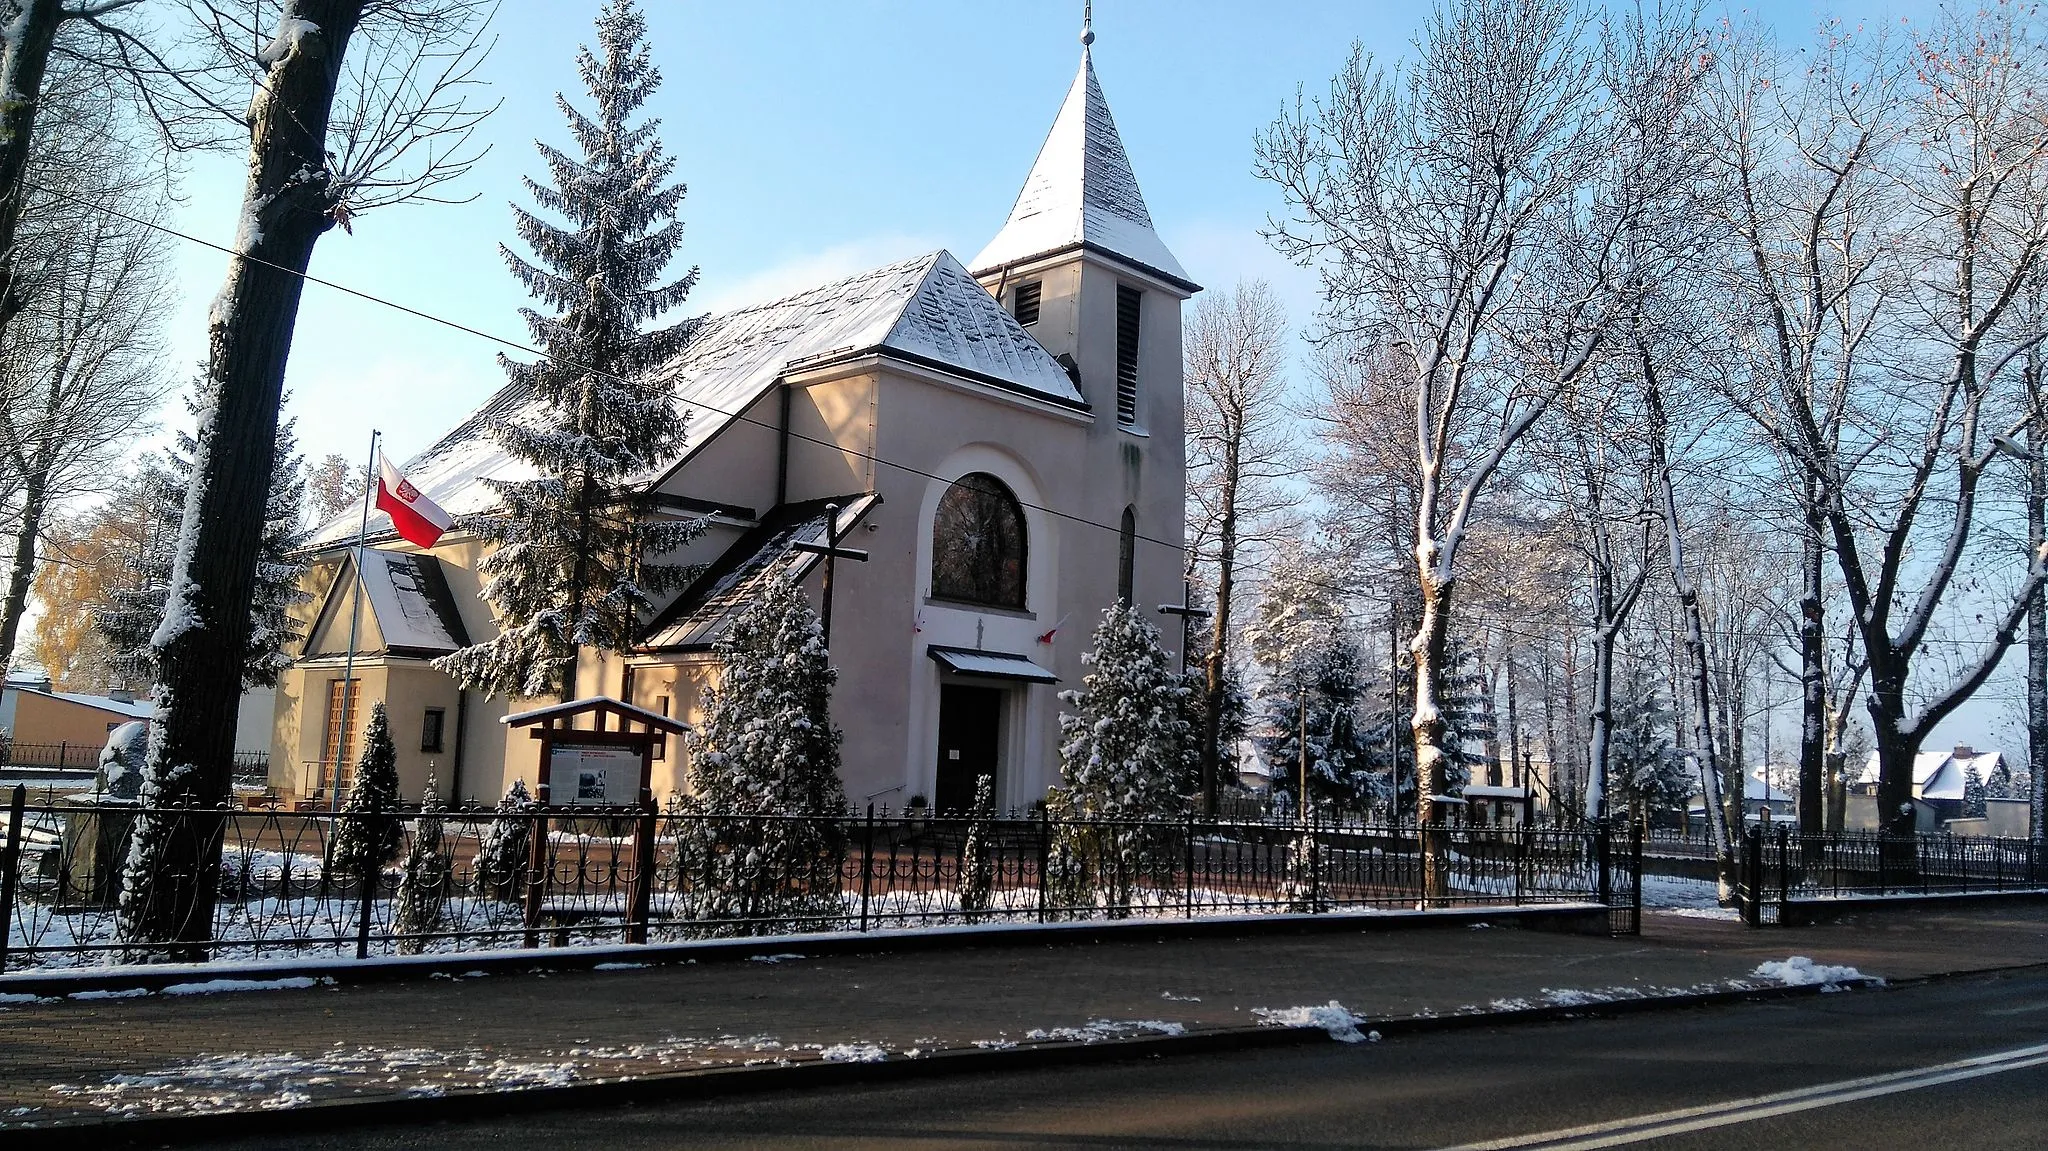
(818, 140)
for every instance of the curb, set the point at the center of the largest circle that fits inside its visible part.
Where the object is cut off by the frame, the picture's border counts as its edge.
(727, 1082)
(1584, 918)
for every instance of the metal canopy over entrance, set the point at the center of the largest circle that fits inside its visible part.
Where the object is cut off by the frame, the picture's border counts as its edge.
(990, 665)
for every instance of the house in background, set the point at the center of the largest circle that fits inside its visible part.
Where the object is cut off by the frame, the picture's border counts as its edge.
(49, 728)
(1940, 782)
(1002, 436)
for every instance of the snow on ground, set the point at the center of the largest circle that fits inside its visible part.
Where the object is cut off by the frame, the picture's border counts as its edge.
(854, 1053)
(1800, 971)
(1097, 1030)
(1332, 1017)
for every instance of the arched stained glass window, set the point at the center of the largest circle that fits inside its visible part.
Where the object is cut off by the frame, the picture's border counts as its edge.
(978, 544)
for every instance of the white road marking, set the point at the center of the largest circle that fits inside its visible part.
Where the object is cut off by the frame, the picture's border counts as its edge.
(1639, 1128)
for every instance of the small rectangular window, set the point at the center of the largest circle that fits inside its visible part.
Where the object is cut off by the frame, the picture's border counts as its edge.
(1024, 302)
(1127, 300)
(430, 729)
(661, 742)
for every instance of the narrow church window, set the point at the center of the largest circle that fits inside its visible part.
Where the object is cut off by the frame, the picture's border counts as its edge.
(1127, 555)
(430, 729)
(1024, 302)
(978, 544)
(1127, 300)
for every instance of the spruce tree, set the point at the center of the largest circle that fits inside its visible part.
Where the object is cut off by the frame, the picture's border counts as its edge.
(424, 887)
(1122, 755)
(1649, 774)
(128, 617)
(366, 835)
(501, 853)
(765, 773)
(1342, 773)
(573, 566)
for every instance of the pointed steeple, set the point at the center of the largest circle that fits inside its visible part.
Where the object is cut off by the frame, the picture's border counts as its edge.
(1081, 192)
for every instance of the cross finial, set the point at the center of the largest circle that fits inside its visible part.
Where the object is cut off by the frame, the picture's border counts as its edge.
(1087, 22)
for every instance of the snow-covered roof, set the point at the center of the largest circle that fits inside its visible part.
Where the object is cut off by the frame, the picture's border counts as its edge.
(1484, 791)
(1942, 774)
(1082, 192)
(700, 615)
(927, 310)
(132, 708)
(411, 601)
(1756, 789)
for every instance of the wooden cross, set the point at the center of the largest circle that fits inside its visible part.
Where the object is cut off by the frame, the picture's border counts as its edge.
(1188, 613)
(832, 552)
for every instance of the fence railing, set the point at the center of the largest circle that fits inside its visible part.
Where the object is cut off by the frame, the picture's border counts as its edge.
(1780, 867)
(331, 884)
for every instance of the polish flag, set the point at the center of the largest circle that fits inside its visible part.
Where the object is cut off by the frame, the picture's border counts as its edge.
(418, 519)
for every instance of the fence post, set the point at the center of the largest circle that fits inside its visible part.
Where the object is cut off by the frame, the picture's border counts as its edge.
(1752, 882)
(537, 866)
(641, 909)
(1044, 858)
(1784, 873)
(1603, 834)
(10, 860)
(867, 865)
(1315, 865)
(1188, 897)
(373, 866)
(63, 753)
(1635, 864)
(1522, 833)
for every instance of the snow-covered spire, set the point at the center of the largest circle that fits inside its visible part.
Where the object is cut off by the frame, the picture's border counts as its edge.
(1081, 191)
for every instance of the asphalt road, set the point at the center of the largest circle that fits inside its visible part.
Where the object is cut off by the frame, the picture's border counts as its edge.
(1503, 1087)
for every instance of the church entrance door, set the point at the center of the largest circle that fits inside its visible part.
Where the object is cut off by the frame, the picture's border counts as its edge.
(970, 719)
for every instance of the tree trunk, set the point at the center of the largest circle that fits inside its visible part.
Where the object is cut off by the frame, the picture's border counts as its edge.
(22, 64)
(1216, 666)
(1812, 671)
(1601, 723)
(1427, 649)
(288, 203)
(1507, 671)
(34, 503)
(2037, 617)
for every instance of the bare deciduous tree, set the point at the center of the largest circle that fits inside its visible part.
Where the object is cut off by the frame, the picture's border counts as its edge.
(351, 104)
(1237, 455)
(1476, 211)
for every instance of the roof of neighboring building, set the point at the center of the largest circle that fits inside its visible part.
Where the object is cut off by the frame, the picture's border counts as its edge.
(927, 310)
(708, 606)
(1082, 193)
(132, 708)
(1942, 774)
(1755, 789)
(410, 600)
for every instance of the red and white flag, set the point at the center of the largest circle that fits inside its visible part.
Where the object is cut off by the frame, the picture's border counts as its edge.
(418, 519)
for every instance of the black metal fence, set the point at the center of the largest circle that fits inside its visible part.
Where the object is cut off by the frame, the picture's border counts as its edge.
(328, 884)
(1779, 867)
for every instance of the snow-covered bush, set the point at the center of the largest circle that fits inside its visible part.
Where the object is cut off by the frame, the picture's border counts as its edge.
(366, 833)
(977, 860)
(501, 853)
(765, 845)
(424, 886)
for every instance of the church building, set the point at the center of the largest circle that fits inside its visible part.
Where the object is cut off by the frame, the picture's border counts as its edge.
(1001, 436)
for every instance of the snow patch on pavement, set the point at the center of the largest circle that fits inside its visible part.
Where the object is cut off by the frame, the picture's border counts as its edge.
(854, 1053)
(1332, 1017)
(1800, 971)
(216, 986)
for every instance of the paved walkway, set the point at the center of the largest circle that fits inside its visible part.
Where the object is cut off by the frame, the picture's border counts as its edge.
(157, 1054)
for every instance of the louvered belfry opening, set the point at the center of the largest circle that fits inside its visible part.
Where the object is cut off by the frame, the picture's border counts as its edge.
(1024, 302)
(1127, 300)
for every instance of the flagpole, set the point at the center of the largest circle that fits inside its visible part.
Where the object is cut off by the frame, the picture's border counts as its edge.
(355, 616)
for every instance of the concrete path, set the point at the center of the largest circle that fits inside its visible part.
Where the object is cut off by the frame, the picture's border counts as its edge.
(75, 1059)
